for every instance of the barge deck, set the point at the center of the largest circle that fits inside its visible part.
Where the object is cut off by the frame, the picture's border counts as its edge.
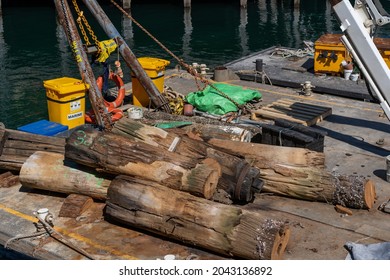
(288, 67)
(318, 232)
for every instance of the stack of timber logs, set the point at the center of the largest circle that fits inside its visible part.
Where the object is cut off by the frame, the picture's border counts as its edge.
(194, 166)
(225, 229)
(239, 180)
(300, 173)
(118, 155)
(16, 147)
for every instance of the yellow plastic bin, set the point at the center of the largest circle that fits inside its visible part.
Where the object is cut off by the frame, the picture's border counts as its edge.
(155, 69)
(66, 100)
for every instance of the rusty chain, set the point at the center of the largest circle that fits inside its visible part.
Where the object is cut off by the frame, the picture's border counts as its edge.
(82, 19)
(98, 103)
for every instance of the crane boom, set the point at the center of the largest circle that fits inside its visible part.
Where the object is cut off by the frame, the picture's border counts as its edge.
(358, 24)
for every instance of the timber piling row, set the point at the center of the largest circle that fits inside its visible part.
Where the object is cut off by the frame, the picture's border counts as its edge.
(126, 4)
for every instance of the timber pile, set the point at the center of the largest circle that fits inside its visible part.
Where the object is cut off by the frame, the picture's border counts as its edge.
(119, 155)
(7, 179)
(229, 230)
(48, 171)
(239, 180)
(300, 173)
(154, 117)
(17, 146)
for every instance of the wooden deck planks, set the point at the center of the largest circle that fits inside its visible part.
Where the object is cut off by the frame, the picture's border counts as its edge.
(300, 112)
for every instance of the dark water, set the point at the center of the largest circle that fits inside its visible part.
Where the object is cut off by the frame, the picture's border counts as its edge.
(33, 47)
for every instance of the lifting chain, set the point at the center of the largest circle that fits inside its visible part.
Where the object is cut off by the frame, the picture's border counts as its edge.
(82, 19)
(189, 68)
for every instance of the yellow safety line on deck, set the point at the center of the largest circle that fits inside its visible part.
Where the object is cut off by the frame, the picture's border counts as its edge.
(69, 233)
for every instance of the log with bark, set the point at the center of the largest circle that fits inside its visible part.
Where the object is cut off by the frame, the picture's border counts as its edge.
(224, 229)
(16, 147)
(75, 205)
(239, 180)
(48, 171)
(300, 173)
(115, 154)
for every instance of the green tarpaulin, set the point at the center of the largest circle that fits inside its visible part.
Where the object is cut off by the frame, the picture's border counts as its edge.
(211, 101)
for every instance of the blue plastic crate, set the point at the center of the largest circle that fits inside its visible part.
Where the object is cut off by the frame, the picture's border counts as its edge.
(43, 127)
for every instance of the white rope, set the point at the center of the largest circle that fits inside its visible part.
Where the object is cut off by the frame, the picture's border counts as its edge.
(286, 53)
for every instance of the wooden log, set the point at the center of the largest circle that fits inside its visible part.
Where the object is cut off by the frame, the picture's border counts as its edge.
(270, 154)
(74, 205)
(49, 171)
(229, 230)
(153, 117)
(7, 179)
(209, 131)
(3, 137)
(238, 183)
(119, 155)
(300, 173)
(18, 146)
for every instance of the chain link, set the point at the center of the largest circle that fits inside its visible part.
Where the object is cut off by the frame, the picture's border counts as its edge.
(98, 103)
(81, 27)
(82, 19)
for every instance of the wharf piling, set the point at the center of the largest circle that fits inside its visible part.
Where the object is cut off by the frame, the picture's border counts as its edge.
(126, 4)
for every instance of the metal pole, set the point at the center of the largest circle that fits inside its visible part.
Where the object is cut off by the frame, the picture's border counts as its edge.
(67, 21)
(154, 94)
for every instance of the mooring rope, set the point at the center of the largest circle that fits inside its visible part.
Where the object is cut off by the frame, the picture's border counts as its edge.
(181, 62)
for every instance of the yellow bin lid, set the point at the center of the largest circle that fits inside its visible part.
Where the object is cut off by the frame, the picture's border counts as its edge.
(65, 85)
(151, 63)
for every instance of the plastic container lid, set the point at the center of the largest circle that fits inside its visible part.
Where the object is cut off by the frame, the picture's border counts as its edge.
(152, 63)
(65, 85)
(43, 127)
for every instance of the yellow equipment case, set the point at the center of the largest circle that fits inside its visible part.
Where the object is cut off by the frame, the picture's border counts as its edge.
(66, 101)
